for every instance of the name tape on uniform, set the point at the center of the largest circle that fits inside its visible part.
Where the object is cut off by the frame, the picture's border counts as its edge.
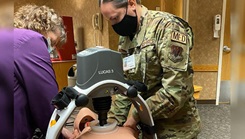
(178, 37)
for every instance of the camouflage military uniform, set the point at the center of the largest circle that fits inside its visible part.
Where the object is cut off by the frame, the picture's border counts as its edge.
(162, 47)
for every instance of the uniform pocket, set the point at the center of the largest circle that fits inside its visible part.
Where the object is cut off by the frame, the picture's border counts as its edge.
(150, 64)
(135, 73)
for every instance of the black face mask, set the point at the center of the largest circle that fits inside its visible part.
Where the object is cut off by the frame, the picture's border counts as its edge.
(126, 27)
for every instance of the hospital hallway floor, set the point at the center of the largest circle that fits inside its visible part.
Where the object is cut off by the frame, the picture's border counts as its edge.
(216, 121)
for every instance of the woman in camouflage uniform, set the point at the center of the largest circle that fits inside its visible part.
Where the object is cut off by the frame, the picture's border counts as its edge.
(159, 45)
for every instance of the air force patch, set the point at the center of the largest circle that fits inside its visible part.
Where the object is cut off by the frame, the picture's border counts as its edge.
(178, 37)
(175, 54)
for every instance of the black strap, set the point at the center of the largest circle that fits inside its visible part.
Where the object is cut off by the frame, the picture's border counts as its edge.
(38, 134)
(150, 130)
(139, 85)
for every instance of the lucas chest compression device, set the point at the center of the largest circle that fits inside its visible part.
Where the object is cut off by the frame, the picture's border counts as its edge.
(99, 76)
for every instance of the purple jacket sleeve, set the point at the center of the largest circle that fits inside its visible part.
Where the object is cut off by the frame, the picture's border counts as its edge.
(6, 84)
(33, 70)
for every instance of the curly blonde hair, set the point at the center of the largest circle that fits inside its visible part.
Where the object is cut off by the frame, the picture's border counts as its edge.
(41, 19)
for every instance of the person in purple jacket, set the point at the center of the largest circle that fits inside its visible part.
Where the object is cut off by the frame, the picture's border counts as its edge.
(6, 84)
(34, 83)
(6, 70)
(34, 79)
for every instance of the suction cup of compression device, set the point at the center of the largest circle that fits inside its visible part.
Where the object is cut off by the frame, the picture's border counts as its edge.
(109, 127)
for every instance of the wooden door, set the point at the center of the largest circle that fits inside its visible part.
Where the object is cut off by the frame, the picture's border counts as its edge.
(172, 6)
(226, 61)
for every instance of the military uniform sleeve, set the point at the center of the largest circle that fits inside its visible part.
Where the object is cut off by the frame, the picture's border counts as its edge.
(173, 44)
(120, 105)
(119, 109)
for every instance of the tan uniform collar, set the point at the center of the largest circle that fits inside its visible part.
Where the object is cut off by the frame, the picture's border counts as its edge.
(143, 19)
(142, 27)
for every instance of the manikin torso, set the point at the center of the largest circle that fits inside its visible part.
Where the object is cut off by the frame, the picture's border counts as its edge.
(87, 127)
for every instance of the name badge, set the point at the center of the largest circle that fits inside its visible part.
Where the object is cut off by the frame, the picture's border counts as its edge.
(178, 37)
(128, 62)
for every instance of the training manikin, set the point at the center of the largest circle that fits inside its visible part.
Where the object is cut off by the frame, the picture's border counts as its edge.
(87, 127)
(95, 85)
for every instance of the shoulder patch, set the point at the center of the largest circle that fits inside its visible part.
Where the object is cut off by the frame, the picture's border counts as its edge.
(178, 37)
(175, 54)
